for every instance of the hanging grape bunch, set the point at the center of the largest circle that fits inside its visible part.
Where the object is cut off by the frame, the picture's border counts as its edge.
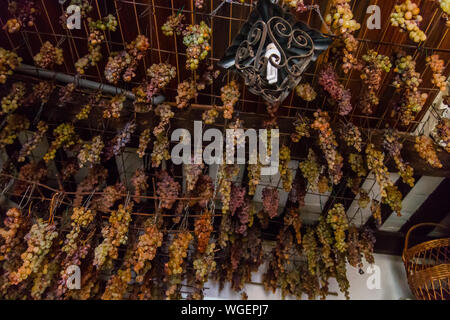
(24, 12)
(160, 150)
(341, 21)
(374, 66)
(164, 111)
(91, 152)
(356, 162)
(310, 248)
(353, 251)
(230, 96)
(445, 6)
(41, 92)
(210, 116)
(65, 94)
(196, 39)
(48, 56)
(178, 252)
(84, 112)
(161, 74)
(437, 66)
(271, 199)
(298, 5)
(80, 218)
(167, 190)
(39, 240)
(9, 61)
(98, 27)
(14, 99)
(12, 223)
(192, 172)
(328, 144)
(114, 234)
(425, 148)
(325, 236)
(33, 172)
(366, 244)
(393, 146)
(311, 170)
(226, 175)
(139, 182)
(375, 162)
(147, 246)
(302, 128)
(113, 107)
(328, 79)
(306, 92)
(285, 172)
(173, 25)
(118, 143)
(443, 133)
(237, 198)
(186, 91)
(352, 136)
(144, 141)
(338, 221)
(15, 123)
(65, 137)
(407, 16)
(394, 199)
(254, 176)
(324, 184)
(407, 82)
(202, 230)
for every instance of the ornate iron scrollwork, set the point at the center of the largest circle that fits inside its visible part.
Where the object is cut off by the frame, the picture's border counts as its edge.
(296, 45)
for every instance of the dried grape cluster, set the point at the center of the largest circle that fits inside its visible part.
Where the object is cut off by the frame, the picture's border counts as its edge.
(160, 150)
(393, 146)
(139, 182)
(144, 141)
(285, 172)
(48, 56)
(14, 99)
(328, 79)
(192, 172)
(311, 170)
(254, 176)
(14, 124)
(374, 66)
(324, 184)
(407, 16)
(237, 198)
(443, 133)
(177, 252)
(39, 240)
(147, 245)
(113, 107)
(375, 209)
(393, 198)
(299, 5)
(24, 12)
(173, 25)
(425, 148)
(114, 234)
(210, 116)
(302, 128)
(271, 199)
(407, 82)
(65, 137)
(356, 162)
(204, 265)
(98, 27)
(341, 21)
(230, 96)
(311, 250)
(84, 112)
(226, 175)
(375, 162)
(119, 142)
(9, 61)
(306, 92)
(186, 91)
(12, 222)
(161, 74)
(437, 66)
(30, 172)
(328, 144)
(340, 17)
(90, 153)
(352, 136)
(41, 92)
(202, 229)
(109, 197)
(196, 39)
(338, 221)
(165, 113)
(81, 218)
(65, 94)
(167, 190)
(124, 63)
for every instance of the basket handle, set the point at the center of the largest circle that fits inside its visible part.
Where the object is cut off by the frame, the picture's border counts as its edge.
(425, 224)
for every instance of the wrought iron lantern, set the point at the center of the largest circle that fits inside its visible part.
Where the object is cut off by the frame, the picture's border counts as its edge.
(272, 50)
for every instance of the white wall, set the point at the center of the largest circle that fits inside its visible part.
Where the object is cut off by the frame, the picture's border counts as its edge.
(393, 284)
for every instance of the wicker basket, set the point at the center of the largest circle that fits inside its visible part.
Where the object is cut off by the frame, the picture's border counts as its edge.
(428, 266)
